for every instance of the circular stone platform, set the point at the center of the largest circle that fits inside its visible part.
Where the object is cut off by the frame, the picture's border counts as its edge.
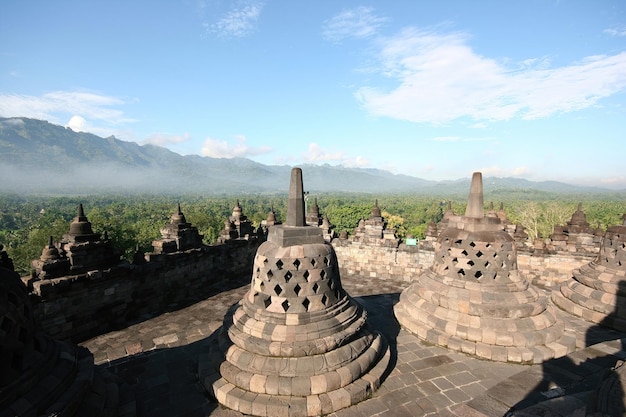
(472, 299)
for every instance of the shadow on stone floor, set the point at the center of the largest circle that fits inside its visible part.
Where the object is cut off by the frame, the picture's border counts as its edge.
(223, 285)
(578, 382)
(165, 381)
(380, 316)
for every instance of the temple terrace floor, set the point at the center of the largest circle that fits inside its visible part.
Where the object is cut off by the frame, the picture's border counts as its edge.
(158, 359)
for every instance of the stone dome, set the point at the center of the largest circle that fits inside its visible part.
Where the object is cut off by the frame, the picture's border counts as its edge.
(50, 252)
(178, 217)
(80, 225)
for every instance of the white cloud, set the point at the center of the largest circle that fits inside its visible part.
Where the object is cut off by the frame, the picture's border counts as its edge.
(360, 22)
(439, 78)
(496, 171)
(316, 154)
(77, 124)
(161, 139)
(616, 31)
(58, 105)
(222, 149)
(238, 22)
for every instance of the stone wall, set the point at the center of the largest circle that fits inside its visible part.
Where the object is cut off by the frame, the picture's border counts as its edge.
(548, 270)
(78, 307)
(371, 260)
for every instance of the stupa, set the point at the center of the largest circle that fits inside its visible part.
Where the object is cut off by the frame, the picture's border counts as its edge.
(472, 299)
(40, 376)
(237, 226)
(297, 344)
(596, 292)
(178, 235)
(87, 250)
(51, 264)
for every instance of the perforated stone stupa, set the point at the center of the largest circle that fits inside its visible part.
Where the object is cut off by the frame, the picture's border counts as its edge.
(596, 292)
(472, 298)
(296, 344)
(40, 376)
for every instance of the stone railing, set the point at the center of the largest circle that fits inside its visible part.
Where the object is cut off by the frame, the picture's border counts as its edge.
(381, 261)
(78, 307)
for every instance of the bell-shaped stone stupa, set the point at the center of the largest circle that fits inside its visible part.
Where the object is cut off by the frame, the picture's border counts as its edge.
(473, 299)
(597, 291)
(297, 344)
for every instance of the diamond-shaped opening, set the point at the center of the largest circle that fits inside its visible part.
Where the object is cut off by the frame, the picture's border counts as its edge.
(313, 262)
(267, 302)
(488, 245)
(470, 262)
(262, 286)
(326, 261)
(306, 275)
(265, 261)
(297, 289)
(288, 276)
(495, 255)
(446, 268)
(278, 289)
(479, 254)
(464, 253)
(7, 325)
(455, 260)
(458, 242)
(269, 274)
(487, 264)
(461, 272)
(12, 298)
(478, 274)
(472, 244)
(315, 288)
(324, 299)
(285, 304)
(16, 361)
(306, 304)
(322, 274)
(296, 263)
(279, 264)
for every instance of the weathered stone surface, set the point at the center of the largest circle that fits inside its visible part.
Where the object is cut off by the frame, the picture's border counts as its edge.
(597, 291)
(473, 299)
(42, 376)
(296, 339)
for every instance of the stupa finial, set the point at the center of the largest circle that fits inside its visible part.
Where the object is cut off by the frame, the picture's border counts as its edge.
(295, 205)
(475, 203)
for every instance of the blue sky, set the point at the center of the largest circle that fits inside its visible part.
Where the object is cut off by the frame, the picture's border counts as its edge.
(433, 89)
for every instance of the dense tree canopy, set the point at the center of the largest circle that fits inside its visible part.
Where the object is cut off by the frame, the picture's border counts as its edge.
(27, 222)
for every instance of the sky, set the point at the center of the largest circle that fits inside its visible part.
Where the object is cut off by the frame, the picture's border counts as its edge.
(534, 89)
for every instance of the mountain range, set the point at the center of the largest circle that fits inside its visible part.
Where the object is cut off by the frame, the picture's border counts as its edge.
(40, 157)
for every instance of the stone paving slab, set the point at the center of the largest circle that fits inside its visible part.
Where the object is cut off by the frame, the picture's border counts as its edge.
(158, 358)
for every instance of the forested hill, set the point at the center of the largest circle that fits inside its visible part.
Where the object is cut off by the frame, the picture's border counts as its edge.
(40, 157)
